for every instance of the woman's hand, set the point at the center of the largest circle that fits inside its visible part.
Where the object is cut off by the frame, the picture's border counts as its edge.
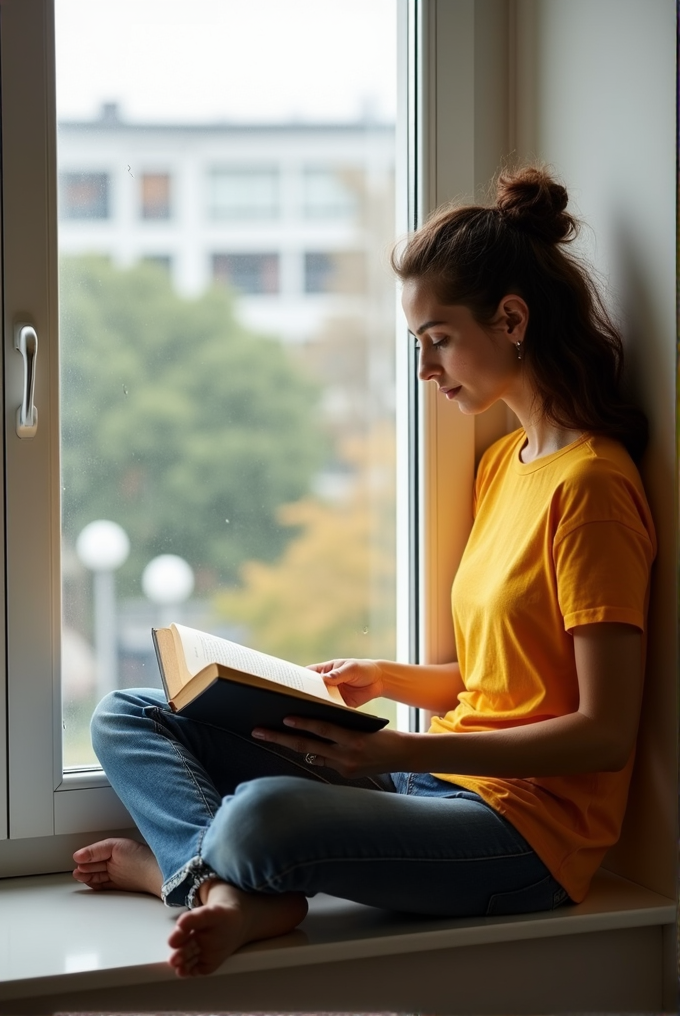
(351, 753)
(358, 681)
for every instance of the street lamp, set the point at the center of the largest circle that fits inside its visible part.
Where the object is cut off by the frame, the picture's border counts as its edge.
(103, 546)
(168, 580)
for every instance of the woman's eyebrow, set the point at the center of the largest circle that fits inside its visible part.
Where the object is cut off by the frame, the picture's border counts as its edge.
(429, 324)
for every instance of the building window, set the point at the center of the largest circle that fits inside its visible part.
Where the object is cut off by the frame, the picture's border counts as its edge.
(243, 193)
(328, 193)
(155, 196)
(248, 273)
(319, 272)
(84, 196)
(337, 272)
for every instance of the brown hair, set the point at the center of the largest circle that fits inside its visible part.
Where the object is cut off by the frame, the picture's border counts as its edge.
(475, 255)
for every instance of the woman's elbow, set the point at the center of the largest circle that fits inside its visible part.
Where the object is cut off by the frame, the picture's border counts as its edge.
(616, 754)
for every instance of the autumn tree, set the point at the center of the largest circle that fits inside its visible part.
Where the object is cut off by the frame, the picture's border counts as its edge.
(332, 593)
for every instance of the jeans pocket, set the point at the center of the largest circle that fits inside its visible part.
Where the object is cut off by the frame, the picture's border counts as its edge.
(539, 896)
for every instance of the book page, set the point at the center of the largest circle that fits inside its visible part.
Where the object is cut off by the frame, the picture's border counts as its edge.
(201, 649)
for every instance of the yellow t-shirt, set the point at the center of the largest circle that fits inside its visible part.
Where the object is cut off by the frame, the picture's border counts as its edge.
(565, 540)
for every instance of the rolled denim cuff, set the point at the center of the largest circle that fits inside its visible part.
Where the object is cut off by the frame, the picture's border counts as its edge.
(181, 889)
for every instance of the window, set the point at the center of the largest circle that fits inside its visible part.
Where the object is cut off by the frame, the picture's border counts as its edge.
(243, 193)
(250, 274)
(84, 196)
(319, 271)
(179, 416)
(155, 196)
(339, 272)
(330, 192)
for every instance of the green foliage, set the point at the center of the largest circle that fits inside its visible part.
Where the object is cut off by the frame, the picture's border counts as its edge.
(332, 593)
(178, 423)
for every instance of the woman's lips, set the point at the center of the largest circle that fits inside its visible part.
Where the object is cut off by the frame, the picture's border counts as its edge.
(451, 393)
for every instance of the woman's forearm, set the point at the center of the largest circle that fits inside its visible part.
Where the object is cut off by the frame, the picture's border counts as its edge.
(561, 746)
(426, 686)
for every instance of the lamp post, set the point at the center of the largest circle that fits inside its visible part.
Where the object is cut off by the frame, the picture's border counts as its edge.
(168, 580)
(103, 546)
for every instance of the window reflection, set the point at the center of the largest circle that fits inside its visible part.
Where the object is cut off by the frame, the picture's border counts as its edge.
(254, 274)
(243, 193)
(84, 196)
(155, 196)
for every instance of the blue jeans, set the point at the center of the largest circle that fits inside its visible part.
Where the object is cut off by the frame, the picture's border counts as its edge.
(212, 803)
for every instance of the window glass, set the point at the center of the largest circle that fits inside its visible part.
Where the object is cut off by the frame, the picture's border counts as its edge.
(243, 193)
(339, 272)
(155, 196)
(319, 271)
(253, 274)
(250, 441)
(162, 261)
(84, 196)
(330, 192)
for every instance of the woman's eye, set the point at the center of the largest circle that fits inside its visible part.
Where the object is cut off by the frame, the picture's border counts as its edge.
(440, 342)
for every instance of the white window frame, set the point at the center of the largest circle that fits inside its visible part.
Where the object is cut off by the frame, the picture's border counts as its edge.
(453, 147)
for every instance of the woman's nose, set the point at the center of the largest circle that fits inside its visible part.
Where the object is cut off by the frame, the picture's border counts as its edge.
(427, 367)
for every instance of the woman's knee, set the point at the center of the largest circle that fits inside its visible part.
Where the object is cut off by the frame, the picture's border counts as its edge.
(261, 828)
(116, 715)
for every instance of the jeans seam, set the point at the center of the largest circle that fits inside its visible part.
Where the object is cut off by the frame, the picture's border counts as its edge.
(160, 730)
(371, 860)
(513, 892)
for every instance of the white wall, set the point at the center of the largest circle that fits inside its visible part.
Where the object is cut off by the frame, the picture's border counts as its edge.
(594, 95)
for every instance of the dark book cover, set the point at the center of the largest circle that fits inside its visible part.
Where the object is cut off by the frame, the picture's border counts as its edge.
(241, 707)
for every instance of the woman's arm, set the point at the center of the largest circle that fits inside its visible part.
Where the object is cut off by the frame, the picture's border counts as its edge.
(598, 737)
(426, 686)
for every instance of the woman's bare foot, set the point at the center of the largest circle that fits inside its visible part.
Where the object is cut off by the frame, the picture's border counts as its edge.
(203, 938)
(118, 864)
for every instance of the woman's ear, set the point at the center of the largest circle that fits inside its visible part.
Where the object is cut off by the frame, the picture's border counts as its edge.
(512, 317)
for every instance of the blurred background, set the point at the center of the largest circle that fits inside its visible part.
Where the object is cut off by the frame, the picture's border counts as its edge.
(226, 209)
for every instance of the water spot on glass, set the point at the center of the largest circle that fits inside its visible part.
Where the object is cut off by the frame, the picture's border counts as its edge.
(365, 629)
(125, 390)
(130, 171)
(226, 520)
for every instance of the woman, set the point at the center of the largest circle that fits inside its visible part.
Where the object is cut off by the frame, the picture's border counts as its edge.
(511, 807)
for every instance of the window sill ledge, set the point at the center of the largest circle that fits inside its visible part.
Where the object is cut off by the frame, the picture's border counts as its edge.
(58, 938)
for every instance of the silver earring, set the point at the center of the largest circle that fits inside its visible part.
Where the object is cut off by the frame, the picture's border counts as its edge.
(518, 347)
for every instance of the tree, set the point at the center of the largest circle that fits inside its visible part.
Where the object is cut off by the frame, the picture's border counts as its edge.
(177, 422)
(332, 592)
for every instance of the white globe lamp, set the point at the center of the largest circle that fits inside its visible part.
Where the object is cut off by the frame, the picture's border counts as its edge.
(168, 580)
(103, 546)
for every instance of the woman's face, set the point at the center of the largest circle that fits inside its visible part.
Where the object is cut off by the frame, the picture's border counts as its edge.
(471, 365)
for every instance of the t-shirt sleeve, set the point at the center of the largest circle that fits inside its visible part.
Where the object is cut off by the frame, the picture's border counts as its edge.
(603, 556)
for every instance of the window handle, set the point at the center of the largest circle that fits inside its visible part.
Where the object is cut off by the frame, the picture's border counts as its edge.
(26, 341)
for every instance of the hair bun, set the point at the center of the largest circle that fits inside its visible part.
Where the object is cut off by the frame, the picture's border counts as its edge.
(532, 201)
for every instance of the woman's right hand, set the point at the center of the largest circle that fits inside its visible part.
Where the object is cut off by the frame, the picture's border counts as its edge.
(358, 681)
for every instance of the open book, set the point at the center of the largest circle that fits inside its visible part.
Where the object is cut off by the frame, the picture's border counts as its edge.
(228, 685)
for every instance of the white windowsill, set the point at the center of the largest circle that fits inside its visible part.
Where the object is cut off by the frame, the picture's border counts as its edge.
(57, 936)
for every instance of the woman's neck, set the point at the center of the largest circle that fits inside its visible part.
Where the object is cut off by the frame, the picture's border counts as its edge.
(545, 441)
(543, 436)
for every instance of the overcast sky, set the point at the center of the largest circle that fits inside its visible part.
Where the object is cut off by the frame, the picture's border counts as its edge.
(203, 60)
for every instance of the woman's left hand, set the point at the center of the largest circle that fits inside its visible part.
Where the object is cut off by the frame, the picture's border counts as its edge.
(351, 753)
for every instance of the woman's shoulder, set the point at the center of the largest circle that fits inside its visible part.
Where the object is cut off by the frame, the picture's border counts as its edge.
(599, 482)
(598, 460)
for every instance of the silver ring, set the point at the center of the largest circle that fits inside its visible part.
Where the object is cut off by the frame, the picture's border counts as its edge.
(310, 759)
